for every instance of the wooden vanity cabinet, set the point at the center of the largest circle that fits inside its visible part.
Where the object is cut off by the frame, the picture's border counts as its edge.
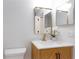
(52, 53)
(66, 52)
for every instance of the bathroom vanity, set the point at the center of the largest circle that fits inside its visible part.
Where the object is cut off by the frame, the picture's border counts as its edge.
(52, 50)
(60, 48)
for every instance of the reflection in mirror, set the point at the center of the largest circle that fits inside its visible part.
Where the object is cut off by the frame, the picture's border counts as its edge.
(43, 20)
(48, 20)
(61, 17)
(65, 14)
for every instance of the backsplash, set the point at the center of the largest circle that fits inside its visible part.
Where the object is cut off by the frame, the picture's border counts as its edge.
(67, 32)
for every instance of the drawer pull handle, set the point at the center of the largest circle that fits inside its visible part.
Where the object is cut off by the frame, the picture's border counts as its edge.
(57, 55)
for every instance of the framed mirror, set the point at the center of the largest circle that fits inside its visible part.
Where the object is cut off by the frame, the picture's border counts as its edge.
(65, 14)
(42, 20)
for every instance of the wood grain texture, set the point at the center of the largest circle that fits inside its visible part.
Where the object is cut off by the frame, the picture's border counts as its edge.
(66, 52)
(35, 52)
(52, 53)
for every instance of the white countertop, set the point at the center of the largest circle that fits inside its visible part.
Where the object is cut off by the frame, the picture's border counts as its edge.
(52, 44)
(66, 38)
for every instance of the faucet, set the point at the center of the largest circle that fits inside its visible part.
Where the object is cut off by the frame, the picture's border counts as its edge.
(54, 32)
(53, 35)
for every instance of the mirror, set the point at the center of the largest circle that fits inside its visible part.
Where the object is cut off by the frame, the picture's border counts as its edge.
(43, 20)
(65, 14)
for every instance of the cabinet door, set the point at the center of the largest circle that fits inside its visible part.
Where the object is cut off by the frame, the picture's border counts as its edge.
(48, 53)
(65, 53)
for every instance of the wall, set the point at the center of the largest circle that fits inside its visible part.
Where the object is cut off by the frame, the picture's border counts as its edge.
(17, 23)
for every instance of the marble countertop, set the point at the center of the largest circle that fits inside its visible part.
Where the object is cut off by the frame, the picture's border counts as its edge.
(52, 43)
(66, 38)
